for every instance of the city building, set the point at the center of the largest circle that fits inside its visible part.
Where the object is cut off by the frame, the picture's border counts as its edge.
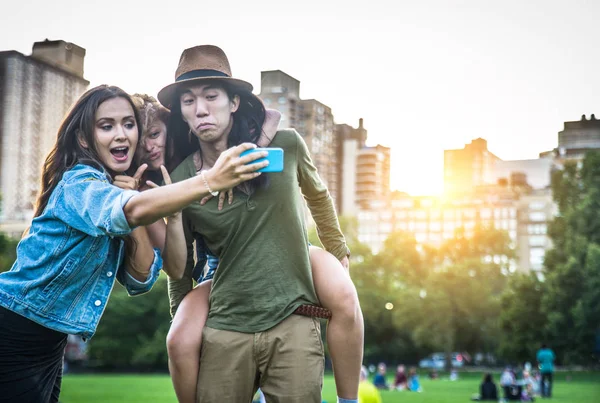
(36, 92)
(538, 171)
(578, 137)
(349, 141)
(311, 118)
(512, 206)
(468, 167)
(372, 175)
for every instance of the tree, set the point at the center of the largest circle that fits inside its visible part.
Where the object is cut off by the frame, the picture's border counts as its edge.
(571, 300)
(456, 306)
(521, 321)
(8, 251)
(133, 330)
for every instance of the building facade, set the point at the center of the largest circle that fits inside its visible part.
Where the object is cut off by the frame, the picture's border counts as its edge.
(522, 212)
(311, 118)
(578, 137)
(36, 92)
(466, 168)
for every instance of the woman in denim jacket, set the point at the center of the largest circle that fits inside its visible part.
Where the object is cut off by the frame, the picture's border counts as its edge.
(87, 232)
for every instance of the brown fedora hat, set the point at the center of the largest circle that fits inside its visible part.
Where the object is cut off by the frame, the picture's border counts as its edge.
(204, 62)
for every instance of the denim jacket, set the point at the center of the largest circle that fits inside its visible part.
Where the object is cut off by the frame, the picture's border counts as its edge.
(67, 265)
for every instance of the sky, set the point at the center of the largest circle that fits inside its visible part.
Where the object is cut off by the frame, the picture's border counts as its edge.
(425, 75)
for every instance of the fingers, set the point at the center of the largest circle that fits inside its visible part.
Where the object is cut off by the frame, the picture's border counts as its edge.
(140, 171)
(221, 201)
(205, 200)
(166, 176)
(126, 182)
(230, 196)
(152, 184)
(246, 159)
(252, 167)
(236, 151)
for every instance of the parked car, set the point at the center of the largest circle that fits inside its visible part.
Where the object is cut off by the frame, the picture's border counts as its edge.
(438, 361)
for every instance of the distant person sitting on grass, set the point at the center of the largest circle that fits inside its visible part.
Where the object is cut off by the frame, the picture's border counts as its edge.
(379, 379)
(401, 381)
(413, 381)
(367, 392)
(487, 390)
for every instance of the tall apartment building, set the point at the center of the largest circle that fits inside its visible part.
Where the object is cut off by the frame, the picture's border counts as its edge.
(468, 167)
(372, 175)
(578, 137)
(36, 92)
(520, 211)
(312, 119)
(350, 141)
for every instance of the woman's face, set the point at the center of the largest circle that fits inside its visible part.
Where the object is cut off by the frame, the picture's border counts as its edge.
(151, 148)
(207, 110)
(115, 134)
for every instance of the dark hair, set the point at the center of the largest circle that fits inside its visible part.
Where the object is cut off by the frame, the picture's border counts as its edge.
(67, 151)
(487, 378)
(248, 121)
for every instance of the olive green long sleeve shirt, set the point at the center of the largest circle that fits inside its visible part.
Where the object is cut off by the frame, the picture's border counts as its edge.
(261, 240)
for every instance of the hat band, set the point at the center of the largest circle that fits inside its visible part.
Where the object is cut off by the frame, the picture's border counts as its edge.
(201, 74)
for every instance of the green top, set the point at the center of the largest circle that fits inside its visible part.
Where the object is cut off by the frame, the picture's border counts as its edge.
(261, 240)
(546, 357)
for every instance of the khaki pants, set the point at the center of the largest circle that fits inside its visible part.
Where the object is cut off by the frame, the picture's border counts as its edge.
(286, 362)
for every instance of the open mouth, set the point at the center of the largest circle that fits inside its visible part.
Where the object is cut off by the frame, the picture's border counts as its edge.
(120, 153)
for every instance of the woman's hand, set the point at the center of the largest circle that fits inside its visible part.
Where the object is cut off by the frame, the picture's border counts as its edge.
(168, 181)
(130, 182)
(222, 195)
(230, 169)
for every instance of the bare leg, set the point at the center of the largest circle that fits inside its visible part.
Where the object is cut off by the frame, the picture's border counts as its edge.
(184, 340)
(345, 330)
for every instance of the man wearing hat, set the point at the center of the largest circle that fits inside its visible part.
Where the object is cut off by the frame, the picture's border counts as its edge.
(257, 332)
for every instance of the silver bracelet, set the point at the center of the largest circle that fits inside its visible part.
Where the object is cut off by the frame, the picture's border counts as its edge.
(216, 193)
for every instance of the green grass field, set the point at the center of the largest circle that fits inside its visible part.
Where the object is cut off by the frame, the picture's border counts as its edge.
(568, 388)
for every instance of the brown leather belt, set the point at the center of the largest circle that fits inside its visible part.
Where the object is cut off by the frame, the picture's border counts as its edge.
(314, 311)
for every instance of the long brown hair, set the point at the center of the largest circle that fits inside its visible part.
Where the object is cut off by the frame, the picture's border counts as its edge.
(151, 111)
(67, 151)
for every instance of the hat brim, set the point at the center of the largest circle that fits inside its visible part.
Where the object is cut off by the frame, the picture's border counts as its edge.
(165, 96)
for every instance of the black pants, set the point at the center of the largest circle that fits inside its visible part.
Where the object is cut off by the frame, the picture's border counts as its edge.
(546, 386)
(31, 358)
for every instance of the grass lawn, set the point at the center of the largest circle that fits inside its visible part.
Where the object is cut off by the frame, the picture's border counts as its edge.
(581, 388)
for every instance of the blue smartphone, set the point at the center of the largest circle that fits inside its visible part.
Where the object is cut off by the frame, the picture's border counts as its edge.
(275, 158)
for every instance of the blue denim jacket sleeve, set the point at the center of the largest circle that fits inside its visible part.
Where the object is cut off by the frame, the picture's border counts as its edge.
(136, 287)
(91, 204)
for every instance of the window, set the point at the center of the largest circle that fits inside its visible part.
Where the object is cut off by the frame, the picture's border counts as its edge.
(536, 258)
(401, 214)
(486, 213)
(537, 216)
(282, 100)
(537, 205)
(435, 226)
(537, 229)
(537, 240)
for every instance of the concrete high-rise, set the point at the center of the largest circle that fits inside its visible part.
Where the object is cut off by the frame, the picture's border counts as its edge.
(36, 92)
(467, 168)
(312, 119)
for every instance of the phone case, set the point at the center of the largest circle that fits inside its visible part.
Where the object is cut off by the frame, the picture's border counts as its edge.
(275, 158)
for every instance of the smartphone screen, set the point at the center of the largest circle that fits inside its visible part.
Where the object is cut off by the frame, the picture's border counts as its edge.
(275, 158)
